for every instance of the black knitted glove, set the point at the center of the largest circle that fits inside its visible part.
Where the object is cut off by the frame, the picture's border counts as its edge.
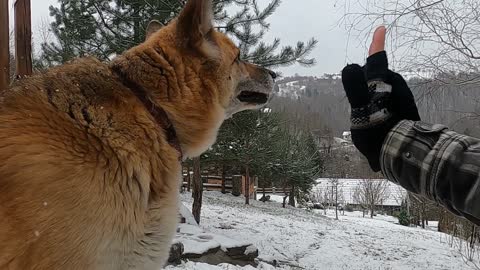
(380, 99)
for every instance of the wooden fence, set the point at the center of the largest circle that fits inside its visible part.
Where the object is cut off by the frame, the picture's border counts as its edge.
(214, 183)
(23, 41)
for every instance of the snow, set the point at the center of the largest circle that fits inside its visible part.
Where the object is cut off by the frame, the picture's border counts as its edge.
(197, 241)
(203, 266)
(187, 214)
(305, 239)
(277, 198)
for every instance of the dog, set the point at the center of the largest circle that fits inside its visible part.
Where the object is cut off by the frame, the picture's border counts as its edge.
(90, 152)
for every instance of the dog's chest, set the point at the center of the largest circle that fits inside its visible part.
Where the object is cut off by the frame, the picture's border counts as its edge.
(150, 249)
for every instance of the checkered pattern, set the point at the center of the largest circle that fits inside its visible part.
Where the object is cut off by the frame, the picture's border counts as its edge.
(375, 112)
(437, 163)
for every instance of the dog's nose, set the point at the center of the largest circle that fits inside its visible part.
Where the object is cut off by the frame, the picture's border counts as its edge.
(272, 73)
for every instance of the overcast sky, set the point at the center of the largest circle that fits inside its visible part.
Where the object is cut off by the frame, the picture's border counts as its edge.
(294, 21)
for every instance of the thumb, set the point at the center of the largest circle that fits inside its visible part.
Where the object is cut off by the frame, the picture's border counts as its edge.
(378, 43)
(355, 85)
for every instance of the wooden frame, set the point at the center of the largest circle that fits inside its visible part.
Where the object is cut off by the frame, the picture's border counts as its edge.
(23, 38)
(23, 41)
(4, 45)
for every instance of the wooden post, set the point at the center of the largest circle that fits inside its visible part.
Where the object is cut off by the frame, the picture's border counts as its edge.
(4, 46)
(23, 38)
(237, 185)
(224, 175)
(197, 190)
(247, 185)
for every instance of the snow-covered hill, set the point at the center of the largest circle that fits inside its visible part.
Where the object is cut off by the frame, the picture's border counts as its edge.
(300, 239)
(300, 86)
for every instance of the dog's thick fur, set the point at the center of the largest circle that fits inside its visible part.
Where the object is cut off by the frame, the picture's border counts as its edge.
(88, 179)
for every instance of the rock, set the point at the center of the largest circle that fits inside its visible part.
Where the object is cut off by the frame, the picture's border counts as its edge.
(200, 246)
(225, 226)
(176, 253)
(206, 254)
(265, 198)
(243, 253)
(240, 256)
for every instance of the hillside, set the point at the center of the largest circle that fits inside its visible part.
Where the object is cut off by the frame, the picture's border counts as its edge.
(442, 100)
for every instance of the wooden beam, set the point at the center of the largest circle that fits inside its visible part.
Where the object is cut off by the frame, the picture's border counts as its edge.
(4, 46)
(23, 38)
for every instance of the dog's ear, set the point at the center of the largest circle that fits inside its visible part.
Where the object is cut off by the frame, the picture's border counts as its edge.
(196, 25)
(153, 27)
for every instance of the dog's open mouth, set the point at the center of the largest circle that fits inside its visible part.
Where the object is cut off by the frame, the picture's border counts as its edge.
(253, 97)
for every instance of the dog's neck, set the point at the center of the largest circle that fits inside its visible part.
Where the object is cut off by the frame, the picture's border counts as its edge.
(157, 112)
(189, 100)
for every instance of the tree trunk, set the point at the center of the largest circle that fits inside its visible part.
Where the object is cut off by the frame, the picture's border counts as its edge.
(372, 209)
(264, 194)
(255, 184)
(197, 190)
(425, 214)
(336, 202)
(291, 199)
(189, 179)
(473, 236)
(247, 185)
(285, 201)
(223, 179)
(408, 204)
(331, 198)
(422, 216)
(136, 24)
(236, 185)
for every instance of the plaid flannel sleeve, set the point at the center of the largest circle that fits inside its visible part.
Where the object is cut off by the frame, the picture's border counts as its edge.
(437, 163)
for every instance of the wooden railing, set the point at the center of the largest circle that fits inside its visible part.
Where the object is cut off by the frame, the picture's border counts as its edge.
(228, 185)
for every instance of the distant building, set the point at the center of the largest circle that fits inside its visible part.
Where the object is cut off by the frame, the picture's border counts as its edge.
(394, 195)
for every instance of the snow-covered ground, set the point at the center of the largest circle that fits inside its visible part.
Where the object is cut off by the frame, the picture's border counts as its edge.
(301, 239)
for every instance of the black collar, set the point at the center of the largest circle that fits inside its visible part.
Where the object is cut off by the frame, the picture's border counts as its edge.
(157, 112)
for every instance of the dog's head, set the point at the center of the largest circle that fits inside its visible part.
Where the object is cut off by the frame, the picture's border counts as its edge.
(201, 79)
(240, 85)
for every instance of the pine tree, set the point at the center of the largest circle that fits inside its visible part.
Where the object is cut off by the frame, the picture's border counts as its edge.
(103, 28)
(245, 141)
(301, 165)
